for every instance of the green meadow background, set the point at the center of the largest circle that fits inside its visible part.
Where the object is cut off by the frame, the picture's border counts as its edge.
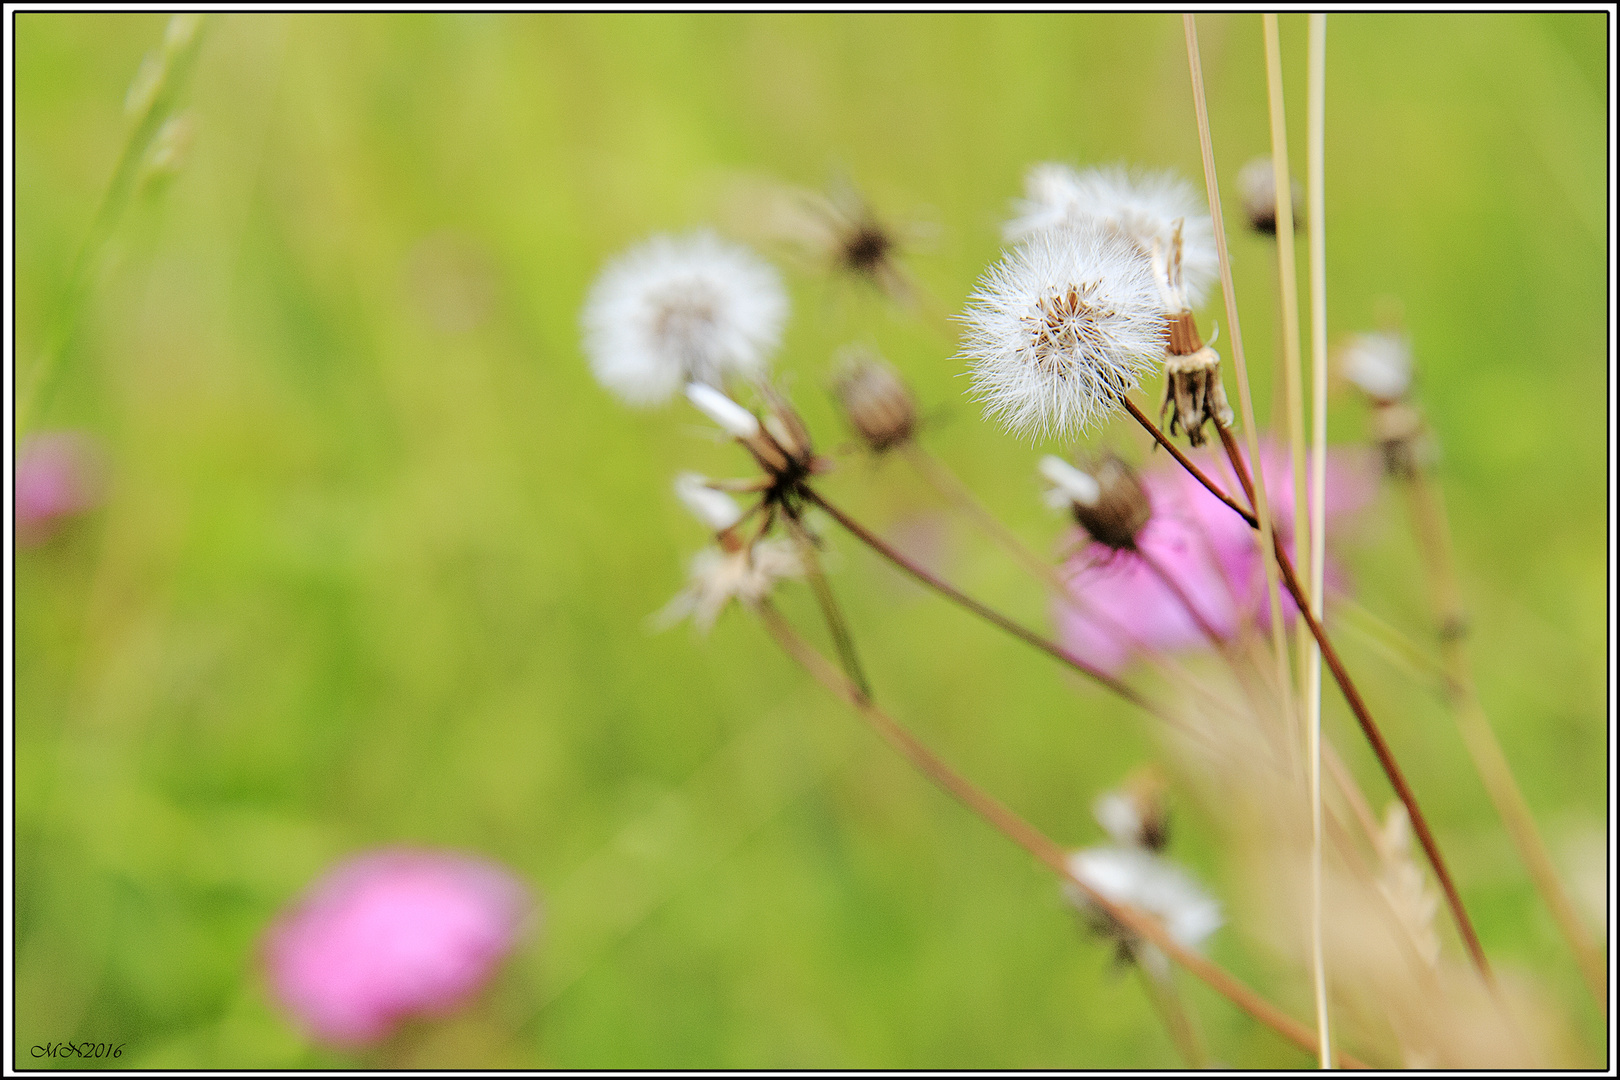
(378, 555)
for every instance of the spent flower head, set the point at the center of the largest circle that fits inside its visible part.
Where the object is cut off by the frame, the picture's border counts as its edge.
(718, 576)
(678, 310)
(1062, 327)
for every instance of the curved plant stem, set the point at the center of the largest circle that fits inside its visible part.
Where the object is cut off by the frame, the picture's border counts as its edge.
(1375, 738)
(1187, 463)
(989, 614)
(1031, 839)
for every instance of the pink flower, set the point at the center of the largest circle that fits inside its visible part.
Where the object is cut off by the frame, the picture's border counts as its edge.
(58, 475)
(1120, 606)
(392, 934)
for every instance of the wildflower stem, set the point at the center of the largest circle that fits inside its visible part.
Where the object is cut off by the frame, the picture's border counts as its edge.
(989, 614)
(1262, 509)
(1184, 461)
(1028, 837)
(1315, 168)
(830, 611)
(1429, 522)
(1375, 738)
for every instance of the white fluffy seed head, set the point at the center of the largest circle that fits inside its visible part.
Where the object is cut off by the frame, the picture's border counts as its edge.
(1141, 879)
(1379, 364)
(1063, 326)
(681, 309)
(1144, 205)
(715, 509)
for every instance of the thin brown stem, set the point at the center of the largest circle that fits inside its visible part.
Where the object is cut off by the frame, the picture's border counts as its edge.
(830, 611)
(1032, 840)
(1375, 739)
(983, 611)
(1185, 462)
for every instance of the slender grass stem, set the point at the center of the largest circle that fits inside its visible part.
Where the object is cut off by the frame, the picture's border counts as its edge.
(1315, 180)
(1031, 839)
(1166, 1001)
(1262, 509)
(1292, 389)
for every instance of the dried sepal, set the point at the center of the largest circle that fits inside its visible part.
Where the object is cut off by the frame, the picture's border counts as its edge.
(1193, 394)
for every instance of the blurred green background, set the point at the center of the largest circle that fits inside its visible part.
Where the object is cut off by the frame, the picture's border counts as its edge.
(378, 554)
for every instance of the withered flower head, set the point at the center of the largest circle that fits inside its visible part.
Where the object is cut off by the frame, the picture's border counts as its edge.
(1109, 502)
(1257, 184)
(875, 401)
(1193, 392)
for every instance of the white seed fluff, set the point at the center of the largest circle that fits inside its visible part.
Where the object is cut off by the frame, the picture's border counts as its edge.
(682, 309)
(1063, 326)
(1145, 205)
(1380, 364)
(1130, 875)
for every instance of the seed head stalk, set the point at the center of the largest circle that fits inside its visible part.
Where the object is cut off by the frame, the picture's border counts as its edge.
(1031, 839)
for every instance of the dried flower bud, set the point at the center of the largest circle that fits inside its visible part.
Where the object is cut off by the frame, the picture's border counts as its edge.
(1118, 509)
(1257, 184)
(1193, 386)
(876, 403)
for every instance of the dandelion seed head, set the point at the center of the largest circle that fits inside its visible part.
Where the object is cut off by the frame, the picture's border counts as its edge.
(1146, 206)
(676, 310)
(1061, 328)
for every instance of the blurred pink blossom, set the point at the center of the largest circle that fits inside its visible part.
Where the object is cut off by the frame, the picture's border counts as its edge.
(1120, 605)
(392, 934)
(58, 474)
